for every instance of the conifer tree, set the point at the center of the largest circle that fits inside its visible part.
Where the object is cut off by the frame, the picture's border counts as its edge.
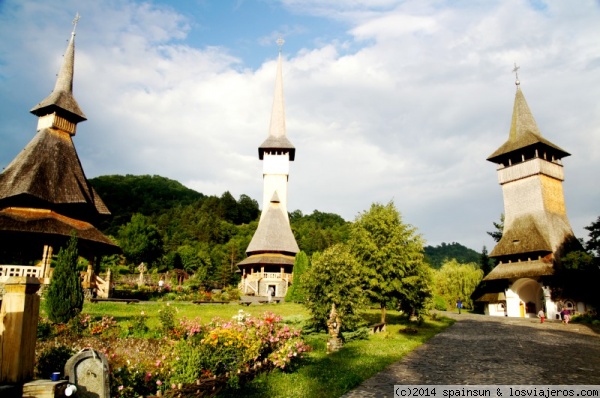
(297, 291)
(484, 262)
(64, 298)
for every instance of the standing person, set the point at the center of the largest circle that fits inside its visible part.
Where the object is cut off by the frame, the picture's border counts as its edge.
(270, 293)
(459, 305)
(161, 283)
(566, 315)
(541, 315)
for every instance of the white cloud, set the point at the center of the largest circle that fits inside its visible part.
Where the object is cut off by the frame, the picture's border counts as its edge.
(407, 108)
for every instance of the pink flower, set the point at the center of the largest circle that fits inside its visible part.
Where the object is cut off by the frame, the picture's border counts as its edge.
(120, 388)
(158, 383)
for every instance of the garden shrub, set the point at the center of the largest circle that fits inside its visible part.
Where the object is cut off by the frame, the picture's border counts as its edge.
(44, 329)
(138, 325)
(439, 303)
(52, 360)
(166, 315)
(362, 333)
(64, 298)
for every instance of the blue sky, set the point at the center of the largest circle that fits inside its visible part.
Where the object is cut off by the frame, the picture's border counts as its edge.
(385, 99)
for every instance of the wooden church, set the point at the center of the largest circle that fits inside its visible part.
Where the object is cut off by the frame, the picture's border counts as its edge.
(268, 269)
(536, 231)
(44, 193)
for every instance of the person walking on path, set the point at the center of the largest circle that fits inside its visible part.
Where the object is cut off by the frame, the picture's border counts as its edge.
(459, 305)
(541, 315)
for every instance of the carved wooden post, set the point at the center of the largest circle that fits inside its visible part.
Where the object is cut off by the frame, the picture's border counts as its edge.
(18, 329)
(109, 283)
(46, 258)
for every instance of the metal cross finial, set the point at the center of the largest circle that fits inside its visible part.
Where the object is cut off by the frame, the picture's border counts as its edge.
(75, 20)
(280, 42)
(516, 70)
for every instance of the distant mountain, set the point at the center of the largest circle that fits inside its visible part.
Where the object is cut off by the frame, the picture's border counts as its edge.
(435, 256)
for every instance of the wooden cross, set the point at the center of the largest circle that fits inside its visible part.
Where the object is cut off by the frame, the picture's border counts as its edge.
(516, 70)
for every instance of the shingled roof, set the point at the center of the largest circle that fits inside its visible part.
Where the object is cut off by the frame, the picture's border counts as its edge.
(273, 234)
(524, 235)
(520, 269)
(524, 132)
(48, 174)
(277, 139)
(44, 194)
(52, 228)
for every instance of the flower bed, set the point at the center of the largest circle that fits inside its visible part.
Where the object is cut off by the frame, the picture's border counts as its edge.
(191, 359)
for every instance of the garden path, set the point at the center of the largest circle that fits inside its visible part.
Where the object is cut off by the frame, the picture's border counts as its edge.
(485, 350)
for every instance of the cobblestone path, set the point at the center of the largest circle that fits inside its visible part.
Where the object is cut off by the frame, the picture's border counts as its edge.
(480, 349)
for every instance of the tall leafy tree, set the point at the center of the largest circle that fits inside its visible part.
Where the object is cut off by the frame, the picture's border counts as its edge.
(334, 277)
(64, 298)
(457, 281)
(391, 255)
(297, 291)
(140, 240)
(576, 277)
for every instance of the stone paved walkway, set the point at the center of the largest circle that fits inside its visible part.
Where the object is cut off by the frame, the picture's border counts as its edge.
(480, 349)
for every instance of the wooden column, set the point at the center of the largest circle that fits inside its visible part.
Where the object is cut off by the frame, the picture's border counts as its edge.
(109, 283)
(46, 259)
(18, 329)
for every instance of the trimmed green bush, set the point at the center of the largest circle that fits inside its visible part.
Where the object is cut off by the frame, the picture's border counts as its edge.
(64, 298)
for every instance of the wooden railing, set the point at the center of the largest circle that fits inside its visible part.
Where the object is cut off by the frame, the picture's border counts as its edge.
(20, 270)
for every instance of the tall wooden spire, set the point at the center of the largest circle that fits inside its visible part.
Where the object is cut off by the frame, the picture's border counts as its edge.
(268, 268)
(277, 140)
(44, 193)
(61, 101)
(536, 227)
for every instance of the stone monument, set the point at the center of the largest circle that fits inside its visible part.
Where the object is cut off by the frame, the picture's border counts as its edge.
(88, 371)
(334, 343)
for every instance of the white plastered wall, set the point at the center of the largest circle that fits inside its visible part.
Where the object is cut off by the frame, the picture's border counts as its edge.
(276, 169)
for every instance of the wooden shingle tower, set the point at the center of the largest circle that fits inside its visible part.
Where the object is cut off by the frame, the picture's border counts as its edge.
(536, 231)
(273, 248)
(44, 193)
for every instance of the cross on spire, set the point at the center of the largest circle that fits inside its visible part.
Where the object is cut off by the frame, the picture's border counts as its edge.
(516, 70)
(75, 20)
(280, 42)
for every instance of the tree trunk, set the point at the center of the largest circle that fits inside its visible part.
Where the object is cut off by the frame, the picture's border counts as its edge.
(382, 313)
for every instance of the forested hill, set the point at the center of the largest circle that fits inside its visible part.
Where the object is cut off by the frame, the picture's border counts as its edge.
(147, 195)
(190, 225)
(436, 255)
(166, 225)
(160, 199)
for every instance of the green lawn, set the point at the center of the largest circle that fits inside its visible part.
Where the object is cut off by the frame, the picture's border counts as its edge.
(319, 375)
(122, 312)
